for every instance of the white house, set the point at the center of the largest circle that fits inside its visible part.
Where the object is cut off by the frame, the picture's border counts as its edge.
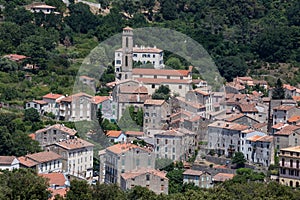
(116, 136)
(39, 105)
(9, 163)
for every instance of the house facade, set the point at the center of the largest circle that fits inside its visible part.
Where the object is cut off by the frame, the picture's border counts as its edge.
(289, 159)
(77, 156)
(152, 179)
(9, 163)
(121, 158)
(198, 178)
(52, 134)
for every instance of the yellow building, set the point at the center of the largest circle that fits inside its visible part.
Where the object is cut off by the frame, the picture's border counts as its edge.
(289, 159)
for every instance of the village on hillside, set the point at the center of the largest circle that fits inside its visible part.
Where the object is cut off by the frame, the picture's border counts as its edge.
(183, 120)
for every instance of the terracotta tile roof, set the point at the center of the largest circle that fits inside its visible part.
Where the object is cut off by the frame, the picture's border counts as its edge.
(114, 134)
(287, 130)
(60, 191)
(127, 28)
(279, 125)
(146, 50)
(15, 57)
(99, 99)
(235, 85)
(55, 178)
(248, 108)
(154, 102)
(201, 92)
(86, 77)
(133, 89)
(6, 160)
(293, 149)
(192, 104)
(27, 162)
(289, 87)
(283, 107)
(76, 143)
(119, 148)
(195, 118)
(142, 171)
(43, 6)
(52, 96)
(74, 96)
(245, 78)
(234, 117)
(259, 125)
(60, 127)
(221, 177)
(160, 72)
(296, 98)
(193, 172)
(173, 133)
(32, 136)
(254, 138)
(163, 80)
(134, 133)
(41, 102)
(44, 156)
(133, 98)
(294, 119)
(266, 138)
(228, 125)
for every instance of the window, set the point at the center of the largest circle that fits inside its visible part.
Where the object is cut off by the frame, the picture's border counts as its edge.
(166, 149)
(118, 62)
(153, 86)
(134, 55)
(157, 141)
(155, 76)
(147, 177)
(162, 187)
(180, 87)
(173, 149)
(126, 42)
(168, 77)
(126, 61)
(166, 141)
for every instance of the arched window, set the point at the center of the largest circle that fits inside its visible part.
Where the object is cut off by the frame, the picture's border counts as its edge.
(126, 42)
(126, 61)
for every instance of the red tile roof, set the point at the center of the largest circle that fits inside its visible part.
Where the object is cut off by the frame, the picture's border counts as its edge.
(119, 148)
(74, 96)
(86, 77)
(201, 92)
(6, 160)
(248, 108)
(76, 143)
(193, 172)
(163, 80)
(287, 130)
(44, 156)
(294, 119)
(134, 133)
(228, 125)
(55, 178)
(15, 57)
(41, 102)
(283, 107)
(60, 127)
(142, 171)
(114, 134)
(52, 96)
(221, 177)
(154, 102)
(27, 162)
(279, 125)
(99, 99)
(160, 72)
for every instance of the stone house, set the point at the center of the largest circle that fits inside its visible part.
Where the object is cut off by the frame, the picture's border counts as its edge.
(107, 105)
(283, 112)
(174, 144)
(76, 107)
(53, 103)
(199, 178)
(152, 179)
(156, 115)
(287, 136)
(77, 156)
(121, 158)
(224, 137)
(52, 134)
(9, 163)
(39, 105)
(42, 162)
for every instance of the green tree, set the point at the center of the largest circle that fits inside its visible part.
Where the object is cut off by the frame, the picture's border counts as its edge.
(239, 159)
(31, 115)
(15, 181)
(278, 91)
(79, 190)
(231, 67)
(163, 92)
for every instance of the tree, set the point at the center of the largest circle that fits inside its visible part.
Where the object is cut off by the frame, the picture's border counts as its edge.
(79, 190)
(24, 184)
(239, 159)
(163, 92)
(31, 115)
(107, 192)
(278, 91)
